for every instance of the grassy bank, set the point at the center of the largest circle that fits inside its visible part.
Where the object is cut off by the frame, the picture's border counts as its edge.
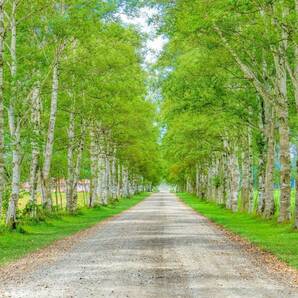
(279, 239)
(14, 245)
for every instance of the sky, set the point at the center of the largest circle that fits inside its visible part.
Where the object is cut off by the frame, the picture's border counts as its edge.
(154, 43)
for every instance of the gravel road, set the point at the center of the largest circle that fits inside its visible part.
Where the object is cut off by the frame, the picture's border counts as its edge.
(160, 248)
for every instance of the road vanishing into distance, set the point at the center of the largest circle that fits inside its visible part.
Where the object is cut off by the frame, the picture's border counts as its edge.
(159, 248)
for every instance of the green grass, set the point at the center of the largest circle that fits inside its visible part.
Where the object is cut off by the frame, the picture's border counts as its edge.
(279, 239)
(14, 245)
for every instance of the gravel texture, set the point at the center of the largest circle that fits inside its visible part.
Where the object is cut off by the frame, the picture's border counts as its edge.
(159, 248)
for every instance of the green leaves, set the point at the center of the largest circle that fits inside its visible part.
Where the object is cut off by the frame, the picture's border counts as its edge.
(206, 99)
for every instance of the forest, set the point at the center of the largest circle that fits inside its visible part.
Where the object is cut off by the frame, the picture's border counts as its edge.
(230, 101)
(72, 106)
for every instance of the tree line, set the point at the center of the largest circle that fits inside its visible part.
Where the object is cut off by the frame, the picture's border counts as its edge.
(229, 78)
(72, 104)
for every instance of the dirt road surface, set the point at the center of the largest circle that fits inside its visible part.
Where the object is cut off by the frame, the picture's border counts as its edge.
(160, 248)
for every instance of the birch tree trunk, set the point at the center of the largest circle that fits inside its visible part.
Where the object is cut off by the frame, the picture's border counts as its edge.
(74, 201)
(283, 115)
(285, 179)
(262, 156)
(235, 179)
(94, 167)
(210, 184)
(197, 180)
(251, 174)
(70, 163)
(119, 180)
(222, 180)
(229, 189)
(269, 187)
(126, 182)
(47, 198)
(35, 120)
(107, 178)
(245, 190)
(227, 176)
(14, 126)
(101, 180)
(2, 172)
(76, 175)
(114, 176)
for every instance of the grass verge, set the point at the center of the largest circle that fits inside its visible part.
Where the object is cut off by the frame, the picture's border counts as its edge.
(14, 244)
(278, 239)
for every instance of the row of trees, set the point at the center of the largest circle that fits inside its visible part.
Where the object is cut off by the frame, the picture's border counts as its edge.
(230, 83)
(72, 104)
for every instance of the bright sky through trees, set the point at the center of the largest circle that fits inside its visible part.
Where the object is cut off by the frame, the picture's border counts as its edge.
(154, 41)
